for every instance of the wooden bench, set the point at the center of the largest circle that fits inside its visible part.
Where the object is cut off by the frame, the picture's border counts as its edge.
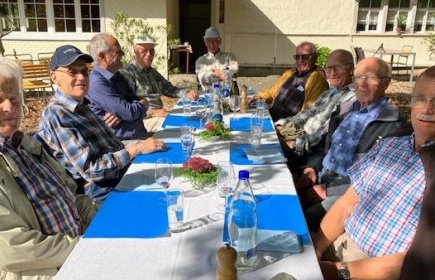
(36, 77)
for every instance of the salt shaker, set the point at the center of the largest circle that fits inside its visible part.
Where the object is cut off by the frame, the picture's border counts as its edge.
(243, 99)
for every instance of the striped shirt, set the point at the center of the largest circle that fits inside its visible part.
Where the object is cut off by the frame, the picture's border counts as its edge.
(390, 182)
(81, 141)
(53, 202)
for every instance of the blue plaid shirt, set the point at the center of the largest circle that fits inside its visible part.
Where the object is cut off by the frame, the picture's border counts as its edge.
(53, 202)
(81, 141)
(390, 182)
(347, 135)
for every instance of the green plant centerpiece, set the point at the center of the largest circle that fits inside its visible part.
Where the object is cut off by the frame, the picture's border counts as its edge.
(214, 130)
(199, 171)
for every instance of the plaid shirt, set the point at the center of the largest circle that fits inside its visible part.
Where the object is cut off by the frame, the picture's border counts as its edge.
(347, 135)
(390, 182)
(314, 118)
(149, 84)
(81, 141)
(53, 202)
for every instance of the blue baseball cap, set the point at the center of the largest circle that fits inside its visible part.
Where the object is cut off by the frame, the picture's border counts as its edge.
(66, 55)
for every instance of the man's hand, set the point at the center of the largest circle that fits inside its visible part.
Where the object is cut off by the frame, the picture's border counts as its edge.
(145, 102)
(219, 73)
(308, 178)
(111, 120)
(193, 95)
(316, 193)
(251, 100)
(147, 146)
(329, 270)
(158, 112)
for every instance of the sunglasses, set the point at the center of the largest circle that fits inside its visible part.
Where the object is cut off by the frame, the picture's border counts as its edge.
(302, 56)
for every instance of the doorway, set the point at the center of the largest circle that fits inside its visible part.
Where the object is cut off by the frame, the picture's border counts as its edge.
(195, 18)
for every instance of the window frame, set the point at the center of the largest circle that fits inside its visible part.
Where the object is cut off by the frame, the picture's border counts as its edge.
(21, 32)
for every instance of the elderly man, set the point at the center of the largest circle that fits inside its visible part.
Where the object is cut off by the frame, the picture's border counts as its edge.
(419, 260)
(353, 129)
(212, 64)
(147, 82)
(369, 229)
(41, 217)
(79, 139)
(297, 88)
(111, 97)
(305, 128)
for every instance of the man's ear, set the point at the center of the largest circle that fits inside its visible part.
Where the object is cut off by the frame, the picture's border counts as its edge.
(53, 77)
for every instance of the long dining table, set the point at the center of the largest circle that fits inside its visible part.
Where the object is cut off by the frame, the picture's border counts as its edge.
(129, 236)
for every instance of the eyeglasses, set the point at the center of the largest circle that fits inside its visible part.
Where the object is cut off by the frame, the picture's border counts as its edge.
(75, 72)
(151, 51)
(369, 79)
(420, 100)
(302, 56)
(336, 68)
(215, 40)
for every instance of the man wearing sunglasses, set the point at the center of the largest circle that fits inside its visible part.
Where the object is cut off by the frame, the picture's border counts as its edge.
(298, 87)
(148, 83)
(79, 139)
(211, 65)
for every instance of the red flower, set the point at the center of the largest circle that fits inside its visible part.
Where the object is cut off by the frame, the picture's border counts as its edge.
(197, 164)
(209, 126)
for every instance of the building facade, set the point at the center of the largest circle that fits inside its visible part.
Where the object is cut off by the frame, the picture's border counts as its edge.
(260, 33)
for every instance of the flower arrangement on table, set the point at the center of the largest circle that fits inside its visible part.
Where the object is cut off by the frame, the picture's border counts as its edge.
(199, 171)
(213, 130)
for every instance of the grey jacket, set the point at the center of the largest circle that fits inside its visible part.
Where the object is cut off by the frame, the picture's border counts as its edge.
(27, 253)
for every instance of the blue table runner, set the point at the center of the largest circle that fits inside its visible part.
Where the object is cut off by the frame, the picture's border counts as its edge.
(174, 153)
(238, 154)
(244, 124)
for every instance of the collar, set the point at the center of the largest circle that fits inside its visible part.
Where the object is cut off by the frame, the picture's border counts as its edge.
(314, 68)
(13, 142)
(139, 67)
(333, 91)
(104, 72)
(357, 105)
(69, 102)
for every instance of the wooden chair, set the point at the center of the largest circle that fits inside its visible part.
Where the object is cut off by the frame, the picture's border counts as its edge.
(402, 59)
(36, 77)
(45, 58)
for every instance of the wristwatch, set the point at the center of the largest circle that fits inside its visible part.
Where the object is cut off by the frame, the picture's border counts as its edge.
(343, 272)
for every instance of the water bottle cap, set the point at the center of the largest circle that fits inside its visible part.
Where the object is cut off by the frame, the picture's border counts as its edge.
(243, 174)
(216, 85)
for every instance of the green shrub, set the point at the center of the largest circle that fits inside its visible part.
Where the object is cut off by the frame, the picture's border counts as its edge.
(322, 55)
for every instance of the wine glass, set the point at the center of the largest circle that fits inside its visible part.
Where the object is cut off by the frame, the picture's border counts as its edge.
(226, 180)
(163, 172)
(234, 103)
(201, 112)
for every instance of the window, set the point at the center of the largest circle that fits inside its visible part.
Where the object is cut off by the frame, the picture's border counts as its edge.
(52, 16)
(425, 16)
(368, 15)
(396, 8)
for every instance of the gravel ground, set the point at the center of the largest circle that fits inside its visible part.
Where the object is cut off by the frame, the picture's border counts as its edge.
(399, 92)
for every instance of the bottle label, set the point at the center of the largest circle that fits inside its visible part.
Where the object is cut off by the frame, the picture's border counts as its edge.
(251, 252)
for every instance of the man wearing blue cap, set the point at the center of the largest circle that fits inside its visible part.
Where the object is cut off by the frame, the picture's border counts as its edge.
(212, 64)
(77, 137)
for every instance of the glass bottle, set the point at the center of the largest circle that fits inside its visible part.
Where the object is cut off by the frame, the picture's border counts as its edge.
(242, 223)
(234, 87)
(216, 104)
(226, 82)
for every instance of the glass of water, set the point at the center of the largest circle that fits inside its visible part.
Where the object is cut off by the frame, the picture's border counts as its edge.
(256, 130)
(187, 140)
(234, 103)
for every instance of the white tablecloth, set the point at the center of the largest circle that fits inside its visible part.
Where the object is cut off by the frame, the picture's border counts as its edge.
(191, 254)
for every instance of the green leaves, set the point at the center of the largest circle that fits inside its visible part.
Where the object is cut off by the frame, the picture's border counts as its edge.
(212, 129)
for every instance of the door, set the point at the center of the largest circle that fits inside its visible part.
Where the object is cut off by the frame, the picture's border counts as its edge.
(195, 18)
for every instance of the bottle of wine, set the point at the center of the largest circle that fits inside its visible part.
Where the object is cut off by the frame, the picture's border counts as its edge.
(234, 87)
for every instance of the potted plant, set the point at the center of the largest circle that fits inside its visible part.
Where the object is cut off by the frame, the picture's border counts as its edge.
(400, 23)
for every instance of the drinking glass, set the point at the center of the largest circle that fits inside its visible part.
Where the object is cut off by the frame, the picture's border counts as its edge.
(201, 112)
(234, 103)
(163, 172)
(256, 130)
(187, 140)
(226, 180)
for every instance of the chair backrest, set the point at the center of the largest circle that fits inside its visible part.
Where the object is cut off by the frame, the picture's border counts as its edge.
(407, 48)
(360, 55)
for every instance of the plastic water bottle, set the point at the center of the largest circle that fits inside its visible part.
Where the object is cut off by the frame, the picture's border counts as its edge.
(216, 104)
(226, 82)
(242, 223)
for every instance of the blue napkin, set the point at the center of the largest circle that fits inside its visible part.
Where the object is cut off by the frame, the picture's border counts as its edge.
(278, 212)
(238, 153)
(131, 214)
(174, 153)
(177, 121)
(244, 124)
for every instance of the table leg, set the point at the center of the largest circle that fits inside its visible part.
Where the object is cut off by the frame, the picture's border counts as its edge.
(187, 61)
